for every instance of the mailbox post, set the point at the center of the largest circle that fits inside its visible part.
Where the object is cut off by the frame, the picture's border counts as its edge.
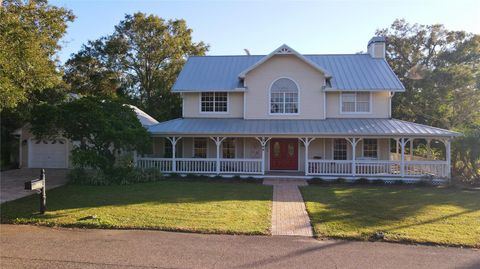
(39, 184)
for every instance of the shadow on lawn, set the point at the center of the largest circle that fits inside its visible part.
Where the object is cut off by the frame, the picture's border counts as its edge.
(78, 197)
(377, 206)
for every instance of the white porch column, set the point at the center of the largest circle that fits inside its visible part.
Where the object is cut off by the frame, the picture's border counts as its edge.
(218, 142)
(447, 143)
(263, 142)
(403, 143)
(135, 158)
(429, 149)
(174, 140)
(354, 141)
(306, 142)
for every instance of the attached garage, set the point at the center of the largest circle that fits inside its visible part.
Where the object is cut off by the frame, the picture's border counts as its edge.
(47, 153)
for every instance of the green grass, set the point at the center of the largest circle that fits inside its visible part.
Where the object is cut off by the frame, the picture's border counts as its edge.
(170, 205)
(404, 214)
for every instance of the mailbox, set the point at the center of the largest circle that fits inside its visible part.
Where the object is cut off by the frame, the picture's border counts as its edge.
(35, 184)
(39, 184)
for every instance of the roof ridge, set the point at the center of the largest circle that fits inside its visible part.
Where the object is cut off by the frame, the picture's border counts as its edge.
(263, 55)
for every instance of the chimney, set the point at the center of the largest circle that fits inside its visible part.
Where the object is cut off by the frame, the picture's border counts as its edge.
(376, 47)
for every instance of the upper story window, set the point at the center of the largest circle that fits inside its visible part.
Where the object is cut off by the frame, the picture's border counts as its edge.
(214, 102)
(355, 102)
(284, 97)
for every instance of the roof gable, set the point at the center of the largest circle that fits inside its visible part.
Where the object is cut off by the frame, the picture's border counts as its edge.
(284, 50)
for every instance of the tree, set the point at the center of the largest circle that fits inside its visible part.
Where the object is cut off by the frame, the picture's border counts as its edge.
(100, 128)
(140, 60)
(439, 69)
(441, 74)
(29, 39)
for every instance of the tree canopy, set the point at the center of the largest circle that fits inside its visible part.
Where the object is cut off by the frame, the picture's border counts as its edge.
(139, 61)
(102, 129)
(30, 32)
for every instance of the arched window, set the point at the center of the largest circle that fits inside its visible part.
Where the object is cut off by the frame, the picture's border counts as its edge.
(284, 97)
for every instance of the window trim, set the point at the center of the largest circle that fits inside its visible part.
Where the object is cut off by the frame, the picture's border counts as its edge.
(355, 112)
(234, 141)
(213, 112)
(378, 148)
(346, 149)
(269, 105)
(193, 147)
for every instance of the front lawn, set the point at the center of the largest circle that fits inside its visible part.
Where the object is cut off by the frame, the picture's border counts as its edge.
(409, 214)
(170, 205)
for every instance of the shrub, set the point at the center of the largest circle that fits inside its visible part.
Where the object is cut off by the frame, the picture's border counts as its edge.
(340, 180)
(316, 180)
(191, 176)
(362, 181)
(378, 182)
(398, 182)
(117, 176)
(423, 183)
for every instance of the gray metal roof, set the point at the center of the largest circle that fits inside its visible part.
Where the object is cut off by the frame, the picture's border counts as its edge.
(328, 127)
(348, 71)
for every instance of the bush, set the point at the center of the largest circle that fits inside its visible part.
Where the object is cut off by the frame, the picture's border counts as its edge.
(362, 181)
(316, 180)
(115, 176)
(398, 182)
(340, 180)
(378, 182)
(423, 183)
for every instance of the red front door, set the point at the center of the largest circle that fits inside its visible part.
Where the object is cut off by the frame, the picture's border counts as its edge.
(283, 154)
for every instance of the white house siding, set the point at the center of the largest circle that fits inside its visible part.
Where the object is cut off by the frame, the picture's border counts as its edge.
(259, 80)
(380, 106)
(191, 106)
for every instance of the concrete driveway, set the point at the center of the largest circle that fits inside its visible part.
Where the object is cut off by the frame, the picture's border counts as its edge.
(12, 181)
(42, 247)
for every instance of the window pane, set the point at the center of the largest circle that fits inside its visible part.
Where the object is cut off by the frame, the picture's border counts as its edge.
(363, 107)
(339, 149)
(228, 148)
(370, 148)
(363, 97)
(276, 149)
(167, 149)
(200, 148)
(284, 96)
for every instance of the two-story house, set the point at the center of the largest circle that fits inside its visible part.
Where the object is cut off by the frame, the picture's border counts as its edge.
(293, 115)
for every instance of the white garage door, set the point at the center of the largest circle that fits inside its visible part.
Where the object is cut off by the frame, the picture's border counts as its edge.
(48, 154)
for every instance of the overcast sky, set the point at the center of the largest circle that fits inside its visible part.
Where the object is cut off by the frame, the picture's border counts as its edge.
(261, 26)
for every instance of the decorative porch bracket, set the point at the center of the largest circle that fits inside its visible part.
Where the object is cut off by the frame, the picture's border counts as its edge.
(218, 142)
(354, 141)
(306, 142)
(263, 142)
(403, 142)
(174, 140)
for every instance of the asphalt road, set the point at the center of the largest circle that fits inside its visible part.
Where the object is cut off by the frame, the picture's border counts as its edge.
(41, 247)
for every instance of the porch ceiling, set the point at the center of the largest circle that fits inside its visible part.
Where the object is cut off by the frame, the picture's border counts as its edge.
(316, 128)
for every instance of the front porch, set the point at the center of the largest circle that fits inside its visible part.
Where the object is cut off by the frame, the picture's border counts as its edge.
(355, 157)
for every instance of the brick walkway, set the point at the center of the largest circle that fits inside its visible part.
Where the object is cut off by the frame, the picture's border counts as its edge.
(289, 216)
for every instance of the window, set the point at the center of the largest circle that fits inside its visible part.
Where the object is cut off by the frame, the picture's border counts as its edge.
(340, 149)
(370, 148)
(167, 149)
(284, 97)
(214, 102)
(200, 148)
(355, 102)
(228, 148)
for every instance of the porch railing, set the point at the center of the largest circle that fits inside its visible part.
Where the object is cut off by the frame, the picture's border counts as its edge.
(315, 167)
(198, 165)
(241, 166)
(378, 168)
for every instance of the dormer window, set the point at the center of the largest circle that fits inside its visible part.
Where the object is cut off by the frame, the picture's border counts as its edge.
(284, 97)
(214, 102)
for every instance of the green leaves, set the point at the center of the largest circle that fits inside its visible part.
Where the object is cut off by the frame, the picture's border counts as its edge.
(101, 129)
(29, 36)
(139, 61)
